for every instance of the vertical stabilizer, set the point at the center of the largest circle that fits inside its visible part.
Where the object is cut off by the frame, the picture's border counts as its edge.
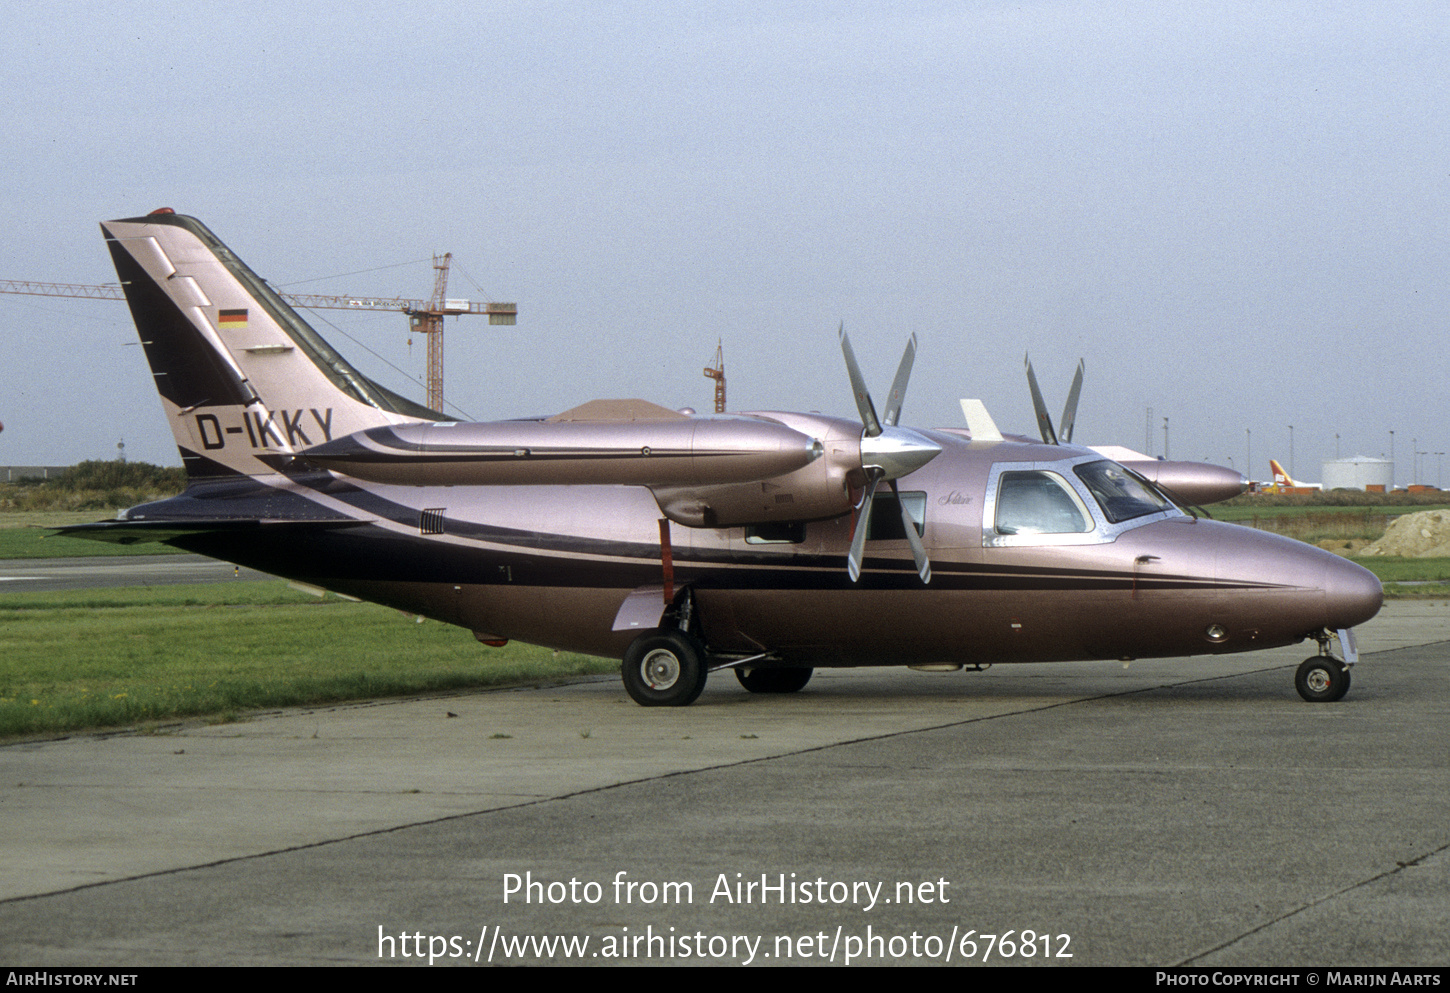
(245, 381)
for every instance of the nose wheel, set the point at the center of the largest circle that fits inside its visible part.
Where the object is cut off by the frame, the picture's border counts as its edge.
(1322, 679)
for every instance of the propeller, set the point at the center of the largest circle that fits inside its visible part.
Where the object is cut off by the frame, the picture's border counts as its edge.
(887, 452)
(1069, 411)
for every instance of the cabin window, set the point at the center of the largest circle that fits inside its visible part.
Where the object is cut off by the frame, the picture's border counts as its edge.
(1039, 503)
(1122, 495)
(776, 533)
(885, 523)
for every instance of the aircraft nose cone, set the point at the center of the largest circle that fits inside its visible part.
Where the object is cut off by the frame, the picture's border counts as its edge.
(1352, 594)
(1278, 590)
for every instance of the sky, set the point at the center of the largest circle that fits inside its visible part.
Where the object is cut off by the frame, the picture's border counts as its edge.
(1234, 213)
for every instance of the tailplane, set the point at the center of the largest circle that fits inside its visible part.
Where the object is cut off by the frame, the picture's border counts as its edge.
(246, 383)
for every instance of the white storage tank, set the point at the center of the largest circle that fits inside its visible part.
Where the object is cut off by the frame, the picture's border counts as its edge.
(1357, 473)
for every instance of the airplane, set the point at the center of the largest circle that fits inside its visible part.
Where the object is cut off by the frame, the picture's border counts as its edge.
(1282, 480)
(771, 543)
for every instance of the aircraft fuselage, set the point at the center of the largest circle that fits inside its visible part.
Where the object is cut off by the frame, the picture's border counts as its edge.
(553, 565)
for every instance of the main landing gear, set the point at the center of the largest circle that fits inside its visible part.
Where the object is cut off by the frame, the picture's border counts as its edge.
(1323, 678)
(667, 667)
(774, 680)
(664, 668)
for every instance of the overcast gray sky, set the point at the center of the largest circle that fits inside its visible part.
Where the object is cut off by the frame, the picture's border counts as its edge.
(1235, 212)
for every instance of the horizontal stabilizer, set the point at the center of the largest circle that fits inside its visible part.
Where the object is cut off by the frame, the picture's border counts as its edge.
(133, 532)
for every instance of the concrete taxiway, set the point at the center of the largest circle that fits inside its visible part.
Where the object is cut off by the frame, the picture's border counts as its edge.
(90, 572)
(1170, 812)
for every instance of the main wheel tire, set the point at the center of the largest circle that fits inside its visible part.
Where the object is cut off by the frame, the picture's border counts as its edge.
(664, 668)
(1322, 679)
(777, 679)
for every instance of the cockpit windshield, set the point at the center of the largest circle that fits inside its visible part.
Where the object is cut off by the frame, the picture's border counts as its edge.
(1122, 495)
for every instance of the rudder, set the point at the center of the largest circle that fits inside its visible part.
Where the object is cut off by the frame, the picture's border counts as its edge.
(246, 383)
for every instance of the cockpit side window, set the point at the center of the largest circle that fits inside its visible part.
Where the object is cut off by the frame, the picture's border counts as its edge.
(1039, 503)
(1122, 495)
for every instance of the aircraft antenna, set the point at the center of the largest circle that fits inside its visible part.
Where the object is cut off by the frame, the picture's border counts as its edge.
(717, 373)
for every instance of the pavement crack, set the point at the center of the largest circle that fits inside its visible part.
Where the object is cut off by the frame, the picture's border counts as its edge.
(1311, 904)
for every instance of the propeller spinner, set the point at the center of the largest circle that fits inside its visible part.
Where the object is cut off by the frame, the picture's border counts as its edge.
(887, 452)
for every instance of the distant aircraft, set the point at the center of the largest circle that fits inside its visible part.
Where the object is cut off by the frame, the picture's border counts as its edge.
(1283, 480)
(770, 543)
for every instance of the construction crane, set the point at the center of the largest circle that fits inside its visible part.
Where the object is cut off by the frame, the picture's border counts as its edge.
(717, 373)
(425, 316)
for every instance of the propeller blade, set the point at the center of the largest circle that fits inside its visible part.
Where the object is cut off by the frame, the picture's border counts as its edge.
(1069, 410)
(898, 385)
(918, 551)
(887, 451)
(1044, 422)
(858, 539)
(858, 387)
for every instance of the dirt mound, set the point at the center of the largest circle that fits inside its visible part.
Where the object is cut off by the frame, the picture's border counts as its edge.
(1422, 535)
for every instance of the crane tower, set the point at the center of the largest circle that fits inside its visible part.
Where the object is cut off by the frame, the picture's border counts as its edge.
(425, 316)
(717, 373)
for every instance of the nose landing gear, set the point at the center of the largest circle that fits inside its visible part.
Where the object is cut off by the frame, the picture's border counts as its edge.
(1323, 678)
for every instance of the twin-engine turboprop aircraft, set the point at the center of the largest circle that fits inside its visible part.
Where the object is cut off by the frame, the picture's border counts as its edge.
(763, 542)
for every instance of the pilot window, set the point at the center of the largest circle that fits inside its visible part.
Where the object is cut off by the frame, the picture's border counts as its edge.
(885, 523)
(1038, 503)
(1122, 495)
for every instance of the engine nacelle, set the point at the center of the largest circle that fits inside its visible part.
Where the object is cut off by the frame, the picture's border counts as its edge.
(655, 447)
(1193, 483)
(819, 491)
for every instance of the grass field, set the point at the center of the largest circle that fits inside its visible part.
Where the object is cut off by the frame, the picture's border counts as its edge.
(128, 656)
(26, 535)
(1410, 578)
(1315, 524)
(1241, 512)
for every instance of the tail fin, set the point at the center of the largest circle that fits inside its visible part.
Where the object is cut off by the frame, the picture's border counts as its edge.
(246, 383)
(1281, 478)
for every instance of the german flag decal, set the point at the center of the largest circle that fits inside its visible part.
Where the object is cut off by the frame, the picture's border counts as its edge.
(232, 320)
